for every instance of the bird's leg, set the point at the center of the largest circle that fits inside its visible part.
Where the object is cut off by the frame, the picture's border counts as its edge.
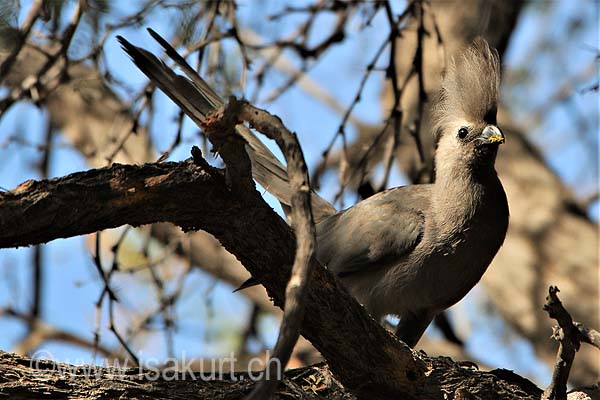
(412, 326)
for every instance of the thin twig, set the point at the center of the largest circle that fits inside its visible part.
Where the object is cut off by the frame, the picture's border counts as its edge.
(38, 259)
(32, 16)
(112, 298)
(304, 228)
(45, 332)
(303, 224)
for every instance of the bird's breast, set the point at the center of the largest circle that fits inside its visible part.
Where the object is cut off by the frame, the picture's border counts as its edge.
(462, 254)
(456, 250)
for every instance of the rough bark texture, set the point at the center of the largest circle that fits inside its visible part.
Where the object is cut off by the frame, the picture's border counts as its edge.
(24, 378)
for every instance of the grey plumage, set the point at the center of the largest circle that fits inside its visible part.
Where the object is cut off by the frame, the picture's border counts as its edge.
(410, 251)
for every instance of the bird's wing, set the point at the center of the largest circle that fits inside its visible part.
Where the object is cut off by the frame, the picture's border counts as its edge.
(197, 99)
(376, 232)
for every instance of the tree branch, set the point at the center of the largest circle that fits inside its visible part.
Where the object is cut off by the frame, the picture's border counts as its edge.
(569, 335)
(26, 378)
(304, 229)
(85, 202)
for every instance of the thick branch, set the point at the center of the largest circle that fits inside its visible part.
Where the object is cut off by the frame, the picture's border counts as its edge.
(24, 378)
(193, 198)
(40, 211)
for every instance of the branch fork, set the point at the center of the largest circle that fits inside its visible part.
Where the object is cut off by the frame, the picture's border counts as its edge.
(219, 126)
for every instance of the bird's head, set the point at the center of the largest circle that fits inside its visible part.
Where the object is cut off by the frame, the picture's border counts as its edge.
(465, 117)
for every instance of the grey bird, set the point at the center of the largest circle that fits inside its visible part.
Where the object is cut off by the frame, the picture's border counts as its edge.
(410, 251)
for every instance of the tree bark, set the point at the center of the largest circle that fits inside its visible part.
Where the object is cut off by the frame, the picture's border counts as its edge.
(24, 378)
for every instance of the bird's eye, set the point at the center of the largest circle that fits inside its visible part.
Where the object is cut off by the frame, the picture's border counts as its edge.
(463, 132)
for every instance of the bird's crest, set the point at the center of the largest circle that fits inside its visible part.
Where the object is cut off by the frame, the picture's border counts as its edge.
(471, 84)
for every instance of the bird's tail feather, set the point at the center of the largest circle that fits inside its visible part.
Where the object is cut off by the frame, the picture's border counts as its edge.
(181, 90)
(197, 99)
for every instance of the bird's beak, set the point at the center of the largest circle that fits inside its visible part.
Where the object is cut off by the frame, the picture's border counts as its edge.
(491, 134)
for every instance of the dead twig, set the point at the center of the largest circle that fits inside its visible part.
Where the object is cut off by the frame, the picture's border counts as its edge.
(304, 229)
(569, 335)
